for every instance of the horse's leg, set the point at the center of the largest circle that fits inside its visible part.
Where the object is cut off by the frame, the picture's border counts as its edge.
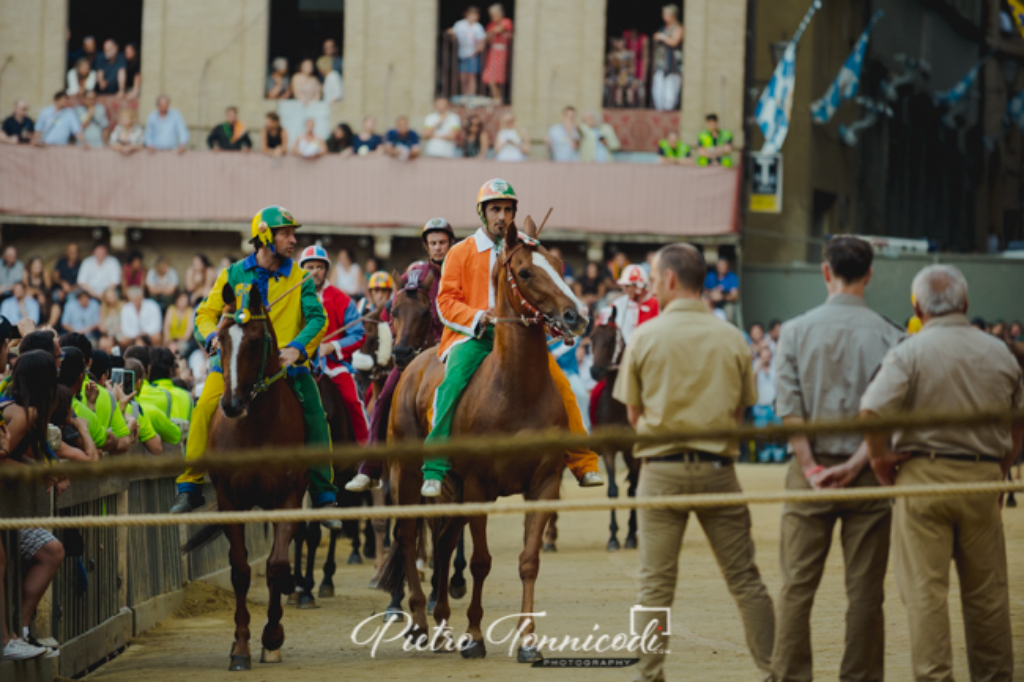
(551, 535)
(327, 584)
(406, 535)
(479, 567)
(613, 492)
(457, 587)
(369, 540)
(241, 577)
(278, 580)
(529, 567)
(634, 477)
(394, 610)
(299, 539)
(421, 548)
(355, 557)
(380, 530)
(444, 545)
(312, 541)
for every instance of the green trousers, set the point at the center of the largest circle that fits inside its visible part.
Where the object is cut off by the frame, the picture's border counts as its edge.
(463, 361)
(318, 434)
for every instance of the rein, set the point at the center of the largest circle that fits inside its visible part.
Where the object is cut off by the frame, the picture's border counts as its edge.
(263, 383)
(532, 316)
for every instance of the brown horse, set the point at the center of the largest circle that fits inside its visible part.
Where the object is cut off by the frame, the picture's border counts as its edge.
(511, 392)
(607, 347)
(258, 410)
(374, 360)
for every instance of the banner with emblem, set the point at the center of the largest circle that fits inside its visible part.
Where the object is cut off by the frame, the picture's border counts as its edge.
(847, 81)
(958, 91)
(776, 102)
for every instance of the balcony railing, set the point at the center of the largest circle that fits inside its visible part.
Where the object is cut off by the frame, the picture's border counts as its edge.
(490, 85)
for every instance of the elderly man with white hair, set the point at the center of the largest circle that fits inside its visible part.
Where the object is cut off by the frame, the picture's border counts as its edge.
(140, 319)
(948, 366)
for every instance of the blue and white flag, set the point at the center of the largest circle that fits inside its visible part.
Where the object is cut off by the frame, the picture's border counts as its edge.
(776, 102)
(958, 91)
(845, 85)
(1015, 109)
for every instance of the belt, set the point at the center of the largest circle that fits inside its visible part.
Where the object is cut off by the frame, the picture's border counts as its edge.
(695, 456)
(959, 457)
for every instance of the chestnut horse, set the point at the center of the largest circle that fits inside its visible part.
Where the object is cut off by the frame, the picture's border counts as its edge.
(373, 361)
(258, 410)
(607, 348)
(511, 392)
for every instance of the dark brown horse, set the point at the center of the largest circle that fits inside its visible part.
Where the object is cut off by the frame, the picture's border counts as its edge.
(512, 392)
(308, 534)
(258, 410)
(607, 348)
(375, 359)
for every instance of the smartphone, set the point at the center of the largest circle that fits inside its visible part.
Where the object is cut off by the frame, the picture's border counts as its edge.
(124, 377)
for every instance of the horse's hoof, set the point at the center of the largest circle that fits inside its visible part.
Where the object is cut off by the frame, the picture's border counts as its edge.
(631, 542)
(326, 590)
(431, 603)
(613, 545)
(457, 590)
(393, 615)
(307, 601)
(417, 636)
(293, 598)
(369, 550)
(474, 650)
(270, 656)
(549, 547)
(240, 662)
(354, 559)
(528, 654)
(373, 583)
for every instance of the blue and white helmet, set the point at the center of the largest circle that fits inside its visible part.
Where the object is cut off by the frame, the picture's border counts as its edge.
(314, 252)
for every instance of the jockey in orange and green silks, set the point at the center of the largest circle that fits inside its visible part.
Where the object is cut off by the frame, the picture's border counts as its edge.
(464, 300)
(299, 323)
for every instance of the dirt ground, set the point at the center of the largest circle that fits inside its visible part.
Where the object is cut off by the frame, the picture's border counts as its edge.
(580, 586)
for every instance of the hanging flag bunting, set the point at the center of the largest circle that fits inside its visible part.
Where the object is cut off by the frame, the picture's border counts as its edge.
(845, 85)
(1017, 12)
(776, 102)
(957, 92)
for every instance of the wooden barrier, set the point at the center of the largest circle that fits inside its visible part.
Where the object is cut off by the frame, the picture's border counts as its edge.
(115, 583)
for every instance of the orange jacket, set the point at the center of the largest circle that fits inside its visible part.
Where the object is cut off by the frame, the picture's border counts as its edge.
(465, 291)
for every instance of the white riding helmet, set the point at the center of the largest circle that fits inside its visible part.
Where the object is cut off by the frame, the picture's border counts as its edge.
(634, 274)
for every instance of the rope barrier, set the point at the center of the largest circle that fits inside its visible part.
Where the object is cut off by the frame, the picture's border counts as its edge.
(495, 446)
(693, 502)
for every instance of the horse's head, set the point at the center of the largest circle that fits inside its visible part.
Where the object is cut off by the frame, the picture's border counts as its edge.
(415, 320)
(533, 283)
(248, 349)
(375, 355)
(606, 345)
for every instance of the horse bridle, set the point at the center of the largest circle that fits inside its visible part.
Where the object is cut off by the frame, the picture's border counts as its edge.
(263, 383)
(412, 286)
(533, 315)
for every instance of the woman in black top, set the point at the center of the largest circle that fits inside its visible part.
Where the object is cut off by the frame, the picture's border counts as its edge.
(475, 142)
(340, 141)
(274, 137)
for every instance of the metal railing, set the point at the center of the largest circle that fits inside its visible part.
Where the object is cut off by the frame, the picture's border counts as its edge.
(478, 91)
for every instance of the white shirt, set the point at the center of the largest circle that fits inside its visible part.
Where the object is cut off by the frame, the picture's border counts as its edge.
(334, 87)
(435, 146)
(99, 277)
(74, 87)
(512, 150)
(135, 323)
(348, 280)
(469, 36)
(766, 385)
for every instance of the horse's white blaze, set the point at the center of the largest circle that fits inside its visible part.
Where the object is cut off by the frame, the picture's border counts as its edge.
(385, 343)
(541, 262)
(235, 332)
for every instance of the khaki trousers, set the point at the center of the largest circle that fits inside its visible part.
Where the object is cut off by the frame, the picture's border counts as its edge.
(728, 532)
(928, 533)
(807, 531)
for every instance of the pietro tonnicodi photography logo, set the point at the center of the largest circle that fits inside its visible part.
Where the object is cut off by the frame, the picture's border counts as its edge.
(646, 613)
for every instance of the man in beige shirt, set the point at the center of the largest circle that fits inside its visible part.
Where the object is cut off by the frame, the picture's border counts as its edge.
(948, 366)
(825, 360)
(687, 368)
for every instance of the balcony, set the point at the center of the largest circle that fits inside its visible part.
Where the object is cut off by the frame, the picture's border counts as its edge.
(333, 195)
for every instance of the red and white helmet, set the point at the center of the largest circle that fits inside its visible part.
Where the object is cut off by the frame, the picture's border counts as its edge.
(633, 274)
(315, 252)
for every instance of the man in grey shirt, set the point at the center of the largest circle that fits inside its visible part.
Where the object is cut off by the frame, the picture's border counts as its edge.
(11, 271)
(824, 362)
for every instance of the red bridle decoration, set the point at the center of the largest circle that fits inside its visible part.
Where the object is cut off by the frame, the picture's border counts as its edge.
(532, 315)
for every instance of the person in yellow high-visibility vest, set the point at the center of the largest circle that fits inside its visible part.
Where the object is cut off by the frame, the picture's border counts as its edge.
(714, 145)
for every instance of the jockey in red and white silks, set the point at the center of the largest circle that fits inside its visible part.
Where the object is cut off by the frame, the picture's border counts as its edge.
(336, 353)
(637, 305)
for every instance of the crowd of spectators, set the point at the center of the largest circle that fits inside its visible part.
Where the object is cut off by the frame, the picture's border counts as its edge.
(632, 72)
(315, 80)
(482, 55)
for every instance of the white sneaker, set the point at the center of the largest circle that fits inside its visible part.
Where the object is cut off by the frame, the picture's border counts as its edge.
(20, 650)
(591, 479)
(431, 489)
(361, 482)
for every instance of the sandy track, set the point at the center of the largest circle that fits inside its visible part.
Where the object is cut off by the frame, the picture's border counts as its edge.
(579, 586)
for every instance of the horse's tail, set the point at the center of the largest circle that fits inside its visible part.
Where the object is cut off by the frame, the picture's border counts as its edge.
(391, 578)
(203, 537)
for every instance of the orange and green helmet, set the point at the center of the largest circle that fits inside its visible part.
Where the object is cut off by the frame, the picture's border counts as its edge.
(269, 219)
(493, 190)
(380, 280)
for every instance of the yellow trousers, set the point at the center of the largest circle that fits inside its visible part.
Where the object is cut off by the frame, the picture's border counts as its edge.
(199, 429)
(580, 461)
